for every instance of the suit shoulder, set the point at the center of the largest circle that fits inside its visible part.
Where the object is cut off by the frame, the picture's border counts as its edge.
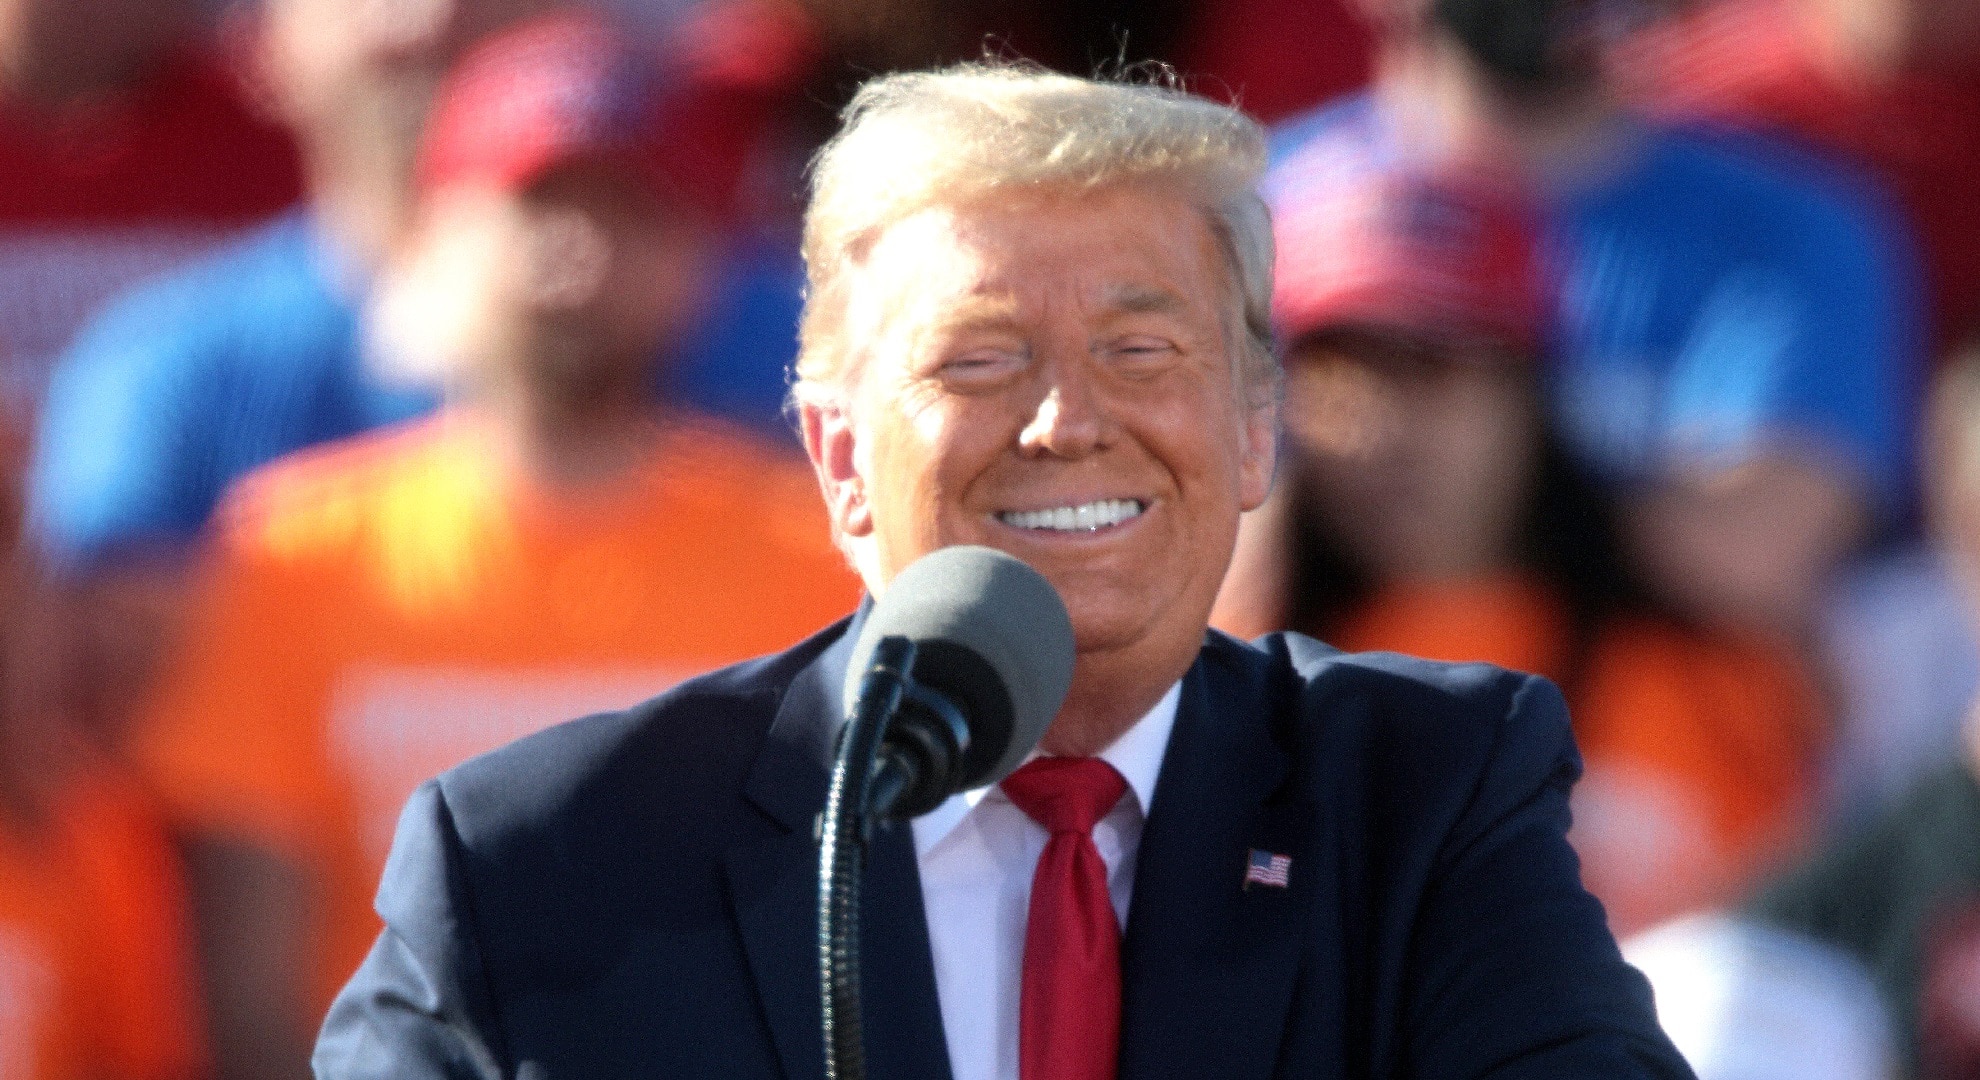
(690, 746)
(1403, 719)
(1315, 666)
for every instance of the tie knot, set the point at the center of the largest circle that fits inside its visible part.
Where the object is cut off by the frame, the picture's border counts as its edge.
(1065, 794)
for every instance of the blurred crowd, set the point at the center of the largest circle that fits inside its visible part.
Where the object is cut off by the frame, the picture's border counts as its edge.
(383, 380)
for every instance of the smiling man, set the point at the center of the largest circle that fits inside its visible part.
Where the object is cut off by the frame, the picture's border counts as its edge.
(1051, 373)
(1036, 321)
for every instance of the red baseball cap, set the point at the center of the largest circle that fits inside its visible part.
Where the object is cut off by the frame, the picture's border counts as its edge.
(1446, 256)
(552, 91)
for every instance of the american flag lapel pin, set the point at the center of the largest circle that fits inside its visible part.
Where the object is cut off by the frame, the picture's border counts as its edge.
(1266, 868)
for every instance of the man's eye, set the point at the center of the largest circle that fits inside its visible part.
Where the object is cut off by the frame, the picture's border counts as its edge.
(980, 366)
(1143, 350)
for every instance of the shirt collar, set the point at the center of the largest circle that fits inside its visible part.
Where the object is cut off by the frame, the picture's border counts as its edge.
(1136, 755)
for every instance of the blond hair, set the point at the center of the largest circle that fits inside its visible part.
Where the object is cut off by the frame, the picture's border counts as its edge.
(918, 139)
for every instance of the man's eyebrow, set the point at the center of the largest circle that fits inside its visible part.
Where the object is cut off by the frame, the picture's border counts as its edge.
(981, 313)
(1144, 300)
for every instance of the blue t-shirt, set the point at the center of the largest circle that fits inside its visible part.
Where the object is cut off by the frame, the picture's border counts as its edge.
(183, 385)
(186, 384)
(1717, 297)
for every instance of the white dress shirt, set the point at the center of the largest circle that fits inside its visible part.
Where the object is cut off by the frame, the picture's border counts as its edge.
(977, 853)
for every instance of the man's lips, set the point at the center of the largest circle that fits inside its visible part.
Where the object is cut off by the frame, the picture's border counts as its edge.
(1078, 517)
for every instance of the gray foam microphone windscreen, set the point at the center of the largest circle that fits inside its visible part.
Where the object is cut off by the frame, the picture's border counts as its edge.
(967, 602)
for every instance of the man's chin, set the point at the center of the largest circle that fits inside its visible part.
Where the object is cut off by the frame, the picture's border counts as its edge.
(1100, 629)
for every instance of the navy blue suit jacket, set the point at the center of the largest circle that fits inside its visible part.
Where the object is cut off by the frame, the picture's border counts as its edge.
(632, 895)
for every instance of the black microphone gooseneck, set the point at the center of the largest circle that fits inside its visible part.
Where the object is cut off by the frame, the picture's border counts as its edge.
(956, 675)
(868, 778)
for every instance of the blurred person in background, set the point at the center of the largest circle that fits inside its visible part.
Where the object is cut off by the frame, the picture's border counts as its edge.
(96, 964)
(1892, 86)
(1889, 85)
(1899, 640)
(1427, 507)
(183, 386)
(1734, 335)
(1900, 635)
(1902, 891)
(552, 542)
(128, 144)
(186, 383)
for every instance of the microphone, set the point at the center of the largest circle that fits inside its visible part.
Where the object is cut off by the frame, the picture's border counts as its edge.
(971, 652)
(960, 668)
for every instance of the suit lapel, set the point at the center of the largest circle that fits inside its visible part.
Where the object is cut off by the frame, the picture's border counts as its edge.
(904, 1039)
(773, 875)
(1207, 964)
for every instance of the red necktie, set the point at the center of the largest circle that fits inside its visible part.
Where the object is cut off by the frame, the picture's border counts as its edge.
(1069, 1009)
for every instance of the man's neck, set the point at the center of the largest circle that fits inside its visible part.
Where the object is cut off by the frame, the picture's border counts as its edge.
(365, 207)
(1445, 108)
(359, 169)
(1111, 691)
(573, 443)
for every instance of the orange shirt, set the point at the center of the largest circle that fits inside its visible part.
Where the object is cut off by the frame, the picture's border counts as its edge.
(95, 955)
(1700, 750)
(383, 609)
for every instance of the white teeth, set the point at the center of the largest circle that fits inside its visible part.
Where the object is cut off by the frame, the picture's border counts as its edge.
(1085, 518)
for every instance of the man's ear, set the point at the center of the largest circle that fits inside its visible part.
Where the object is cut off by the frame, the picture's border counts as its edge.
(830, 441)
(1261, 455)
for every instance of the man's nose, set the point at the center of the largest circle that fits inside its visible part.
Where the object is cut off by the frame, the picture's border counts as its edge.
(1071, 419)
